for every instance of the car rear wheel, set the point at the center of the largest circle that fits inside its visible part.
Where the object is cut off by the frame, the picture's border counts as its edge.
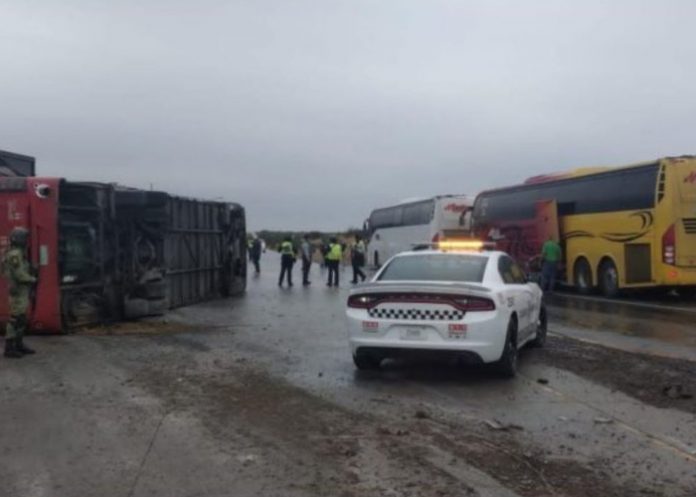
(687, 292)
(506, 366)
(609, 279)
(583, 277)
(366, 361)
(542, 328)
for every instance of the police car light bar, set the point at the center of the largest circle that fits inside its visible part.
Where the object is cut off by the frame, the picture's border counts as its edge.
(460, 245)
(455, 245)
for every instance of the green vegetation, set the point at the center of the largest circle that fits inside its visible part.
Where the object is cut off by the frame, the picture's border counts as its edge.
(274, 238)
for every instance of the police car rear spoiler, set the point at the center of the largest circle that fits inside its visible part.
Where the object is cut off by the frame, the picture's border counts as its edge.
(391, 286)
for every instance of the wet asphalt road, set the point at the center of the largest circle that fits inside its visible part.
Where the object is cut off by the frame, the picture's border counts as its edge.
(259, 396)
(662, 325)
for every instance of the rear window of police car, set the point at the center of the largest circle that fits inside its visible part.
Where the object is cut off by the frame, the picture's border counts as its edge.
(435, 267)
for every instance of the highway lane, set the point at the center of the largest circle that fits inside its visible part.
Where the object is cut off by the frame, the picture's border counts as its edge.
(259, 396)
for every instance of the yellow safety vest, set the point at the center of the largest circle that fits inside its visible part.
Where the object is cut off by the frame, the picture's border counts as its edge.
(335, 252)
(286, 248)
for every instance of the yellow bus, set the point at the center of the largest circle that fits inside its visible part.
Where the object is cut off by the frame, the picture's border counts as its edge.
(625, 227)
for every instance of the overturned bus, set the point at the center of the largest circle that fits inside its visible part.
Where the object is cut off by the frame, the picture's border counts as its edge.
(103, 252)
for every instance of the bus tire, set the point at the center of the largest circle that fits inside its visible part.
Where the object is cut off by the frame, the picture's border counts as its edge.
(608, 278)
(582, 276)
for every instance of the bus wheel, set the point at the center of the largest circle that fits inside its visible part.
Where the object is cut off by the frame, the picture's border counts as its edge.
(582, 276)
(609, 278)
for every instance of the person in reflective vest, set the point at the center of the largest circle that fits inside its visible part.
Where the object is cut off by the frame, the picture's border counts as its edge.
(357, 259)
(333, 259)
(287, 261)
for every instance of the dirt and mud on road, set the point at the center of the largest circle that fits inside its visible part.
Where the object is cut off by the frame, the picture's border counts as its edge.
(385, 450)
(659, 381)
(259, 397)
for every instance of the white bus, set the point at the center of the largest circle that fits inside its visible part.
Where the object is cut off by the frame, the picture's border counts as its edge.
(394, 229)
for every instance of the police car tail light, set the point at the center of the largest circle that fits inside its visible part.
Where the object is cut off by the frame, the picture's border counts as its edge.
(362, 301)
(470, 304)
(669, 243)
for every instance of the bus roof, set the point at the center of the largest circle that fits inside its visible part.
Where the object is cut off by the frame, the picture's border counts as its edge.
(581, 172)
(425, 199)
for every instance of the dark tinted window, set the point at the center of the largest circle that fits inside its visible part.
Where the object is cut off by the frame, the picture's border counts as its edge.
(420, 213)
(517, 274)
(628, 189)
(436, 267)
(510, 271)
(403, 215)
(505, 269)
(385, 218)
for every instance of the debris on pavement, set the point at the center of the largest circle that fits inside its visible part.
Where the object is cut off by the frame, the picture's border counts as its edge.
(603, 421)
(498, 426)
(421, 414)
(384, 431)
(651, 379)
(676, 392)
(247, 459)
(543, 381)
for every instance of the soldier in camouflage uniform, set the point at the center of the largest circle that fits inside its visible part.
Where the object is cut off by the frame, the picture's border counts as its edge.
(20, 280)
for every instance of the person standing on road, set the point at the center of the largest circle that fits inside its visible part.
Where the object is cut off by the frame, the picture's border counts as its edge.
(255, 253)
(333, 260)
(17, 271)
(306, 249)
(287, 260)
(357, 259)
(550, 259)
(324, 253)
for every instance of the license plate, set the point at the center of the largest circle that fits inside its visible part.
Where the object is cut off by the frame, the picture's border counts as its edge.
(413, 333)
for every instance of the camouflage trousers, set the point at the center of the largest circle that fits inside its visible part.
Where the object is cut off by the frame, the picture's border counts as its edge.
(16, 326)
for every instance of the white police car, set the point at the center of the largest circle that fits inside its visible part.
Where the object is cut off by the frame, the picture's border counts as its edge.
(456, 297)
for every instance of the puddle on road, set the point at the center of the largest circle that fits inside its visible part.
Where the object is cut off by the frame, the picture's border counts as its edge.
(666, 324)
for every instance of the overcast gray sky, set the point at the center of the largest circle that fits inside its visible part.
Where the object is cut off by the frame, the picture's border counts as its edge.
(312, 112)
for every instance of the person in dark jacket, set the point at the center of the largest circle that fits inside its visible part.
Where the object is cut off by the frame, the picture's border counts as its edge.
(357, 259)
(255, 253)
